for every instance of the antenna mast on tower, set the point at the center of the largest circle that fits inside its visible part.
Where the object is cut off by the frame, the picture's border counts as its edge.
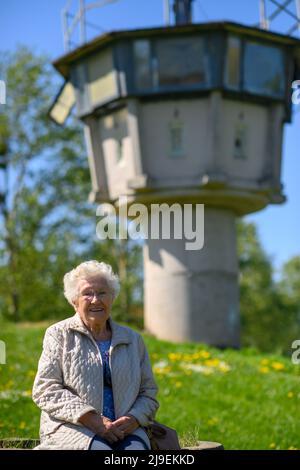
(281, 7)
(182, 11)
(70, 21)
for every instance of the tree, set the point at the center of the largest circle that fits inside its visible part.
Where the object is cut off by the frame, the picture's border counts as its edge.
(29, 209)
(290, 279)
(289, 287)
(267, 318)
(47, 225)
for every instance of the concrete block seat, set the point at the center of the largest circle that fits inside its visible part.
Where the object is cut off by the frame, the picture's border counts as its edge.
(18, 443)
(205, 445)
(27, 444)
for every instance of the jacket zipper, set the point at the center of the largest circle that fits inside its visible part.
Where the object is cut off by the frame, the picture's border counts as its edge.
(111, 349)
(101, 363)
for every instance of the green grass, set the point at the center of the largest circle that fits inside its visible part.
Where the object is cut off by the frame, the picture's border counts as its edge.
(243, 399)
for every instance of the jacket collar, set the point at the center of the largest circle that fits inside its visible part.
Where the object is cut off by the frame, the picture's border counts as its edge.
(120, 334)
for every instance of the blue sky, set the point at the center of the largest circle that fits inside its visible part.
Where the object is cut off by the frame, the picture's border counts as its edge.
(37, 23)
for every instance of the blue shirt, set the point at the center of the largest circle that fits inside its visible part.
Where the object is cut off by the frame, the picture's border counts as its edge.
(108, 398)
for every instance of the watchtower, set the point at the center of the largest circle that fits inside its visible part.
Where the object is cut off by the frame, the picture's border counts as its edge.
(192, 113)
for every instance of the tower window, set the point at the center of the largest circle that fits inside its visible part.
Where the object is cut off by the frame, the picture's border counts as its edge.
(232, 68)
(264, 70)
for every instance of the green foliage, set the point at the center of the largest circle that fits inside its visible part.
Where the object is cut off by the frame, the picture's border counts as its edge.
(290, 281)
(243, 399)
(269, 309)
(47, 226)
(289, 290)
(36, 214)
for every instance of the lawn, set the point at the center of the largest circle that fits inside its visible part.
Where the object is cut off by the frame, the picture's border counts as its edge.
(243, 399)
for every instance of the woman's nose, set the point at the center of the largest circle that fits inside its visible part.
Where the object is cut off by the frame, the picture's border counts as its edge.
(96, 297)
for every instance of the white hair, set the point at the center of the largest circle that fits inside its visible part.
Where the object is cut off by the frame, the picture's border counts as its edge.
(88, 270)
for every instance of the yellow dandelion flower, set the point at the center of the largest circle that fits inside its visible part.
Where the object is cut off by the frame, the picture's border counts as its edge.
(22, 425)
(174, 356)
(264, 370)
(204, 354)
(212, 362)
(277, 365)
(212, 421)
(272, 445)
(178, 384)
(292, 448)
(196, 355)
(290, 394)
(264, 362)
(187, 357)
(162, 370)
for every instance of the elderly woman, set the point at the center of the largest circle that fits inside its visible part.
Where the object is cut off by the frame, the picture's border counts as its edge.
(94, 383)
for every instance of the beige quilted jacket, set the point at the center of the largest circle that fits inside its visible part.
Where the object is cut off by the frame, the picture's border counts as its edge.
(69, 382)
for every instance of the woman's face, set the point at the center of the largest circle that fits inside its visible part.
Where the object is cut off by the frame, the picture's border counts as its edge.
(94, 301)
